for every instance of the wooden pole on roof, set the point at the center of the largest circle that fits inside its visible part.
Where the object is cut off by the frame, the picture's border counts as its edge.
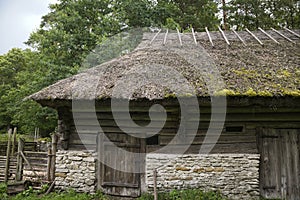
(269, 36)
(155, 36)
(254, 36)
(166, 35)
(239, 37)
(224, 36)
(209, 37)
(179, 37)
(285, 37)
(292, 32)
(194, 36)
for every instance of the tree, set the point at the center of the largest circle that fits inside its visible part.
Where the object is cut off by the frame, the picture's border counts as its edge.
(253, 14)
(22, 75)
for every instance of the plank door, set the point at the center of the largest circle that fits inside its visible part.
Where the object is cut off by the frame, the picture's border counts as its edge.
(115, 182)
(280, 163)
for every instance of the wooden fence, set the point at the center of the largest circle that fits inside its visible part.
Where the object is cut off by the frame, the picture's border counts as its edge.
(23, 162)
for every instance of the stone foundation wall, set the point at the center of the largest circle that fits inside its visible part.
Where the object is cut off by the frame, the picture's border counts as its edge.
(234, 175)
(76, 170)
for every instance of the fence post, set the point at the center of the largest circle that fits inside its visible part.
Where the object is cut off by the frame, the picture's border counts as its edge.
(14, 141)
(8, 151)
(19, 160)
(49, 161)
(155, 184)
(53, 159)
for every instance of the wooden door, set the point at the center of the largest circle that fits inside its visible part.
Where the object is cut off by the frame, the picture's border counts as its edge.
(116, 182)
(280, 163)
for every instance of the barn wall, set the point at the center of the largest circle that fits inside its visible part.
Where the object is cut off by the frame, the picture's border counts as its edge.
(76, 170)
(234, 175)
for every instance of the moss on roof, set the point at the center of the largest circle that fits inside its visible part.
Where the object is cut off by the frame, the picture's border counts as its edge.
(252, 70)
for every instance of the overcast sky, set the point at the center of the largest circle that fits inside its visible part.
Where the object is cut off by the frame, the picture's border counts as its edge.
(18, 18)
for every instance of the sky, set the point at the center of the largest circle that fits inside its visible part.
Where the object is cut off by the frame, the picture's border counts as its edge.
(18, 18)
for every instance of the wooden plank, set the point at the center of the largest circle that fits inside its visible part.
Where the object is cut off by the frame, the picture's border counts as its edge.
(8, 155)
(19, 160)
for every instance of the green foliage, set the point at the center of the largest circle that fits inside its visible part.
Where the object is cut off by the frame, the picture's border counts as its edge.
(22, 74)
(191, 194)
(263, 13)
(3, 189)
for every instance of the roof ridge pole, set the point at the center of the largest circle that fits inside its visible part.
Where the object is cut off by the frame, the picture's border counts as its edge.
(165, 39)
(269, 36)
(179, 37)
(283, 35)
(155, 36)
(292, 32)
(239, 37)
(256, 38)
(209, 37)
(224, 36)
(194, 36)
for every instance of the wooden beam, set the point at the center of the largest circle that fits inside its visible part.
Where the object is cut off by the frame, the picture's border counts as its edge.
(239, 37)
(155, 36)
(269, 36)
(179, 36)
(292, 32)
(254, 36)
(285, 37)
(194, 36)
(19, 160)
(8, 151)
(209, 37)
(14, 141)
(224, 36)
(166, 35)
(29, 165)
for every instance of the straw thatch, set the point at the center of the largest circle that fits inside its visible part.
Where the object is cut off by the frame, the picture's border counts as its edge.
(253, 70)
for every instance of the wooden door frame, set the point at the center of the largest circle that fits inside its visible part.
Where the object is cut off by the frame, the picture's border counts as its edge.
(100, 165)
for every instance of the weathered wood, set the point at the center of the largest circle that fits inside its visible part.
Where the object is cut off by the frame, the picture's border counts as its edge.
(268, 35)
(29, 165)
(8, 155)
(209, 37)
(194, 36)
(239, 37)
(14, 141)
(224, 36)
(179, 36)
(49, 162)
(285, 37)
(155, 184)
(19, 160)
(53, 159)
(255, 37)
(165, 38)
(155, 37)
(280, 163)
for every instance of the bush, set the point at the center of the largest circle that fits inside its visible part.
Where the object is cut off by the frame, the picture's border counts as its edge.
(3, 190)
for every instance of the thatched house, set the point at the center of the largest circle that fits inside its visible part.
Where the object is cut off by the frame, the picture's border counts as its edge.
(256, 132)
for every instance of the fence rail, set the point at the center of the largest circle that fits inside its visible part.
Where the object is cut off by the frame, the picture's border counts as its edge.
(22, 162)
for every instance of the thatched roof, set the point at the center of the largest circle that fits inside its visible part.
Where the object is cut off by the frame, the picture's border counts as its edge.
(270, 69)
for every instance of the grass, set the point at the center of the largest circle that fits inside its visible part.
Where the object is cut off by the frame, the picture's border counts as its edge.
(30, 194)
(191, 194)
